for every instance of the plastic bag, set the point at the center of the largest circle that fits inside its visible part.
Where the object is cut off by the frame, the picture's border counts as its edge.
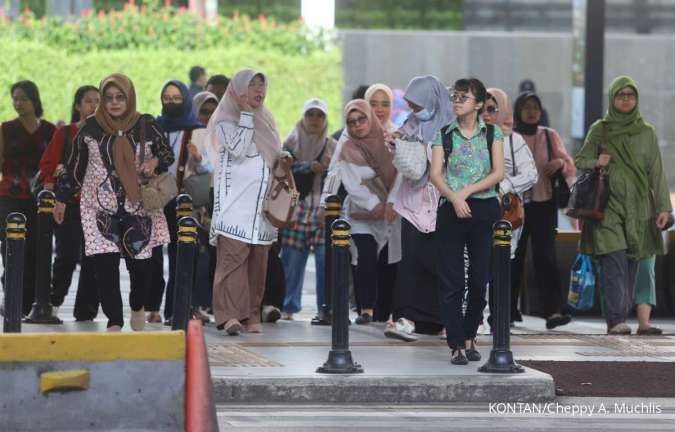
(582, 283)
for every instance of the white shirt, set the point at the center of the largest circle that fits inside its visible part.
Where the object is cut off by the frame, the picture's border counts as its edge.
(240, 183)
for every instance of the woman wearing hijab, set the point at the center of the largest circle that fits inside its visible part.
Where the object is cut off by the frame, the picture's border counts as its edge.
(312, 150)
(416, 308)
(22, 143)
(368, 174)
(541, 211)
(105, 169)
(68, 236)
(243, 134)
(520, 172)
(639, 203)
(177, 122)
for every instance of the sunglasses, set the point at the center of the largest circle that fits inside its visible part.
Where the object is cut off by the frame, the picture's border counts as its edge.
(460, 97)
(357, 121)
(116, 98)
(625, 95)
(491, 109)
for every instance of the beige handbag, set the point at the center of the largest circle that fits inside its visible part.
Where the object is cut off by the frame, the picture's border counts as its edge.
(160, 189)
(281, 197)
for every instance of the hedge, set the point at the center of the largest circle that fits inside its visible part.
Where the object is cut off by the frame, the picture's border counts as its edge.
(292, 79)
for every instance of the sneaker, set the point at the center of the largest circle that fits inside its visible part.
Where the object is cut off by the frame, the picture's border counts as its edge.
(364, 318)
(557, 320)
(443, 335)
(114, 328)
(649, 331)
(137, 320)
(55, 311)
(287, 316)
(457, 357)
(472, 353)
(199, 315)
(402, 329)
(270, 314)
(232, 327)
(154, 317)
(619, 329)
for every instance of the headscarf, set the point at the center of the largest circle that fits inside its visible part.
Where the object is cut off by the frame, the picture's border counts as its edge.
(124, 156)
(620, 127)
(369, 150)
(265, 135)
(390, 95)
(303, 145)
(430, 93)
(200, 99)
(520, 126)
(187, 120)
(505, 113)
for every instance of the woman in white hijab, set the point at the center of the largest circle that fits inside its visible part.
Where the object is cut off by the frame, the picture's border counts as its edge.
(243, 135)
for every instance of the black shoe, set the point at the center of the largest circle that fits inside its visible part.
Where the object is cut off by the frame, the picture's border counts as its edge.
(364, 318)
(556, 320)
(649, 331)
(516, 316)
(457, 357)
(472, 353)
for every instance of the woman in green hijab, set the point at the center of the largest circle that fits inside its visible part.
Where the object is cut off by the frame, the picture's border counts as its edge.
(639, 202)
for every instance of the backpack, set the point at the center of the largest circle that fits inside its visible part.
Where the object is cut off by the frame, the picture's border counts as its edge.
(447, 144)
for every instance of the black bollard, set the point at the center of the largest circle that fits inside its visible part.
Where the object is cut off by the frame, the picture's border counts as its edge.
(340, 358)
(183, 206)
(14, 260)
(185, 270)
(501, 357)
(42, 308)
(331, 215)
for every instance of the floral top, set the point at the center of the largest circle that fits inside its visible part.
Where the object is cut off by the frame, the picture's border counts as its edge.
(469, 162)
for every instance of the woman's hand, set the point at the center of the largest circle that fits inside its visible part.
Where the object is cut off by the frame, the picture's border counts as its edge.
(460, 205)
(662, 219)
(389, 213)
(553, 166)
(59, 212)
(317, 167)
(194, 152)
(603, 161)
(148, 167)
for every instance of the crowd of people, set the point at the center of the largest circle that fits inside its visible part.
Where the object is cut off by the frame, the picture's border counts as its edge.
(421, 198)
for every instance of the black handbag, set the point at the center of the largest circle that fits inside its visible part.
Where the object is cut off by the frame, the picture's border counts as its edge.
(590, 193)
(561, 191)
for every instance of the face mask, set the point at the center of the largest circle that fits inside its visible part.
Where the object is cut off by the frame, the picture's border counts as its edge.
(172, 109)
(424, 115)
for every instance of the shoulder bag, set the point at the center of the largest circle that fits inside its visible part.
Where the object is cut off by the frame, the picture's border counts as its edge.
(281, 196)
(160, 189)
(561, 191)
(512, 205)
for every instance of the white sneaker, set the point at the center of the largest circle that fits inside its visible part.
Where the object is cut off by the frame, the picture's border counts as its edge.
(138, 320)
(402, 329)
(287, 316)
(270, 314)
(55, 311)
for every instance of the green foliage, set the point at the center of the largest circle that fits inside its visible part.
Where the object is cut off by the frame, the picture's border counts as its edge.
(154, 27)
(399, 14)
(293, 79)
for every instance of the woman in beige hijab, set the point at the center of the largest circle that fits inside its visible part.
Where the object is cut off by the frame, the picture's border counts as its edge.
(105, 168)
(243, 135)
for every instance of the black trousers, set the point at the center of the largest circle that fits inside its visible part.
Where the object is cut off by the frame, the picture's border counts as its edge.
(29, 209)
(452, 235)
(69, 251)
(540, 226)
(106, 268)
(157, 281)
(374, 277)
(275, 283)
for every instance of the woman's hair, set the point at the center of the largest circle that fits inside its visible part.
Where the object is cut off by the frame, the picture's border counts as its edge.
(75, 115)
(32, 93)
(475, 86)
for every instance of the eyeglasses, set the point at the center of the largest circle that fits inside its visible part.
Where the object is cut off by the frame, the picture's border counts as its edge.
(357, 121)
(175, 99)
(460, 97)
(115, 98)
(491, 109)
(315, 113)
(625, 95)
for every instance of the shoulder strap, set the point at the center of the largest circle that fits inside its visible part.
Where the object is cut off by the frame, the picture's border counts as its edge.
(514, 169)
(602, 149)
(446, 139)
(67, 145)
(323, 150)
(142, 139)
(548, 143)
(490, 138)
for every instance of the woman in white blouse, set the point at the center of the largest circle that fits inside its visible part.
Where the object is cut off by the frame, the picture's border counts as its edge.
(244, 136)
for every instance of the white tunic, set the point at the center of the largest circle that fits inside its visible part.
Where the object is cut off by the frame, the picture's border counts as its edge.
(240, 183)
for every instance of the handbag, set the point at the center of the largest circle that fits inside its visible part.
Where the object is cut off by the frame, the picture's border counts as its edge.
(590, 193)
(159, 190)
(411, 159)
(512, 206)
(582, 283)
(281, 196)
(561, 190)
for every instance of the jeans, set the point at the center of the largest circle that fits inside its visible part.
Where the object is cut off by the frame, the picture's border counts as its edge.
(295, 261)
(452, 235)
